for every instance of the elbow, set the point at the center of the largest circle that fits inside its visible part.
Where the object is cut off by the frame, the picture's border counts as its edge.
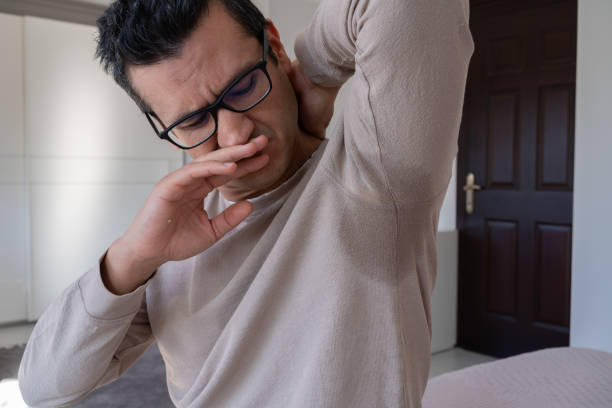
(27, 387)
(32, 391)
(38, 392)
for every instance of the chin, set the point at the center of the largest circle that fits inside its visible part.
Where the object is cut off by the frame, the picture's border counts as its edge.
(252, 185)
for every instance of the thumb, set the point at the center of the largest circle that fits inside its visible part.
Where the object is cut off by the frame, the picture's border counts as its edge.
(230, 218)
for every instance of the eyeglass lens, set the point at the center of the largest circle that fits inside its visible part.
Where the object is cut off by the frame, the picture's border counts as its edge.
(242, 96)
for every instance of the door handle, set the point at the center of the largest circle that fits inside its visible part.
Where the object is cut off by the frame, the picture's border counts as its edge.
(469, 189)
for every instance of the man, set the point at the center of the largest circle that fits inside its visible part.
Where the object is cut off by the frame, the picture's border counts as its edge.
(306, 280)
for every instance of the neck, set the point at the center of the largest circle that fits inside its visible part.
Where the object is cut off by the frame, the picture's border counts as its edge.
(305, 146)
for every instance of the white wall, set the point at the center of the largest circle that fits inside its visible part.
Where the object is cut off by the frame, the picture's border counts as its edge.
(98, 2)
(92, 157)
(444, 297)
(13, 219)
(77, 160)
(591, 311)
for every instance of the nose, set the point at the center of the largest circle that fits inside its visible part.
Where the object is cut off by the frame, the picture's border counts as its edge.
(233, 128)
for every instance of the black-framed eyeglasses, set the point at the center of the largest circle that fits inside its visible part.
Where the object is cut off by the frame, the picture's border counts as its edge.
(242, 94)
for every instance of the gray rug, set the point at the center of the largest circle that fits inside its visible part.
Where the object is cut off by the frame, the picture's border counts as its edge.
(142, 385)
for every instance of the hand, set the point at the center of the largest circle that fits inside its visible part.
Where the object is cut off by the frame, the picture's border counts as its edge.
(316, 103)
(172, 224)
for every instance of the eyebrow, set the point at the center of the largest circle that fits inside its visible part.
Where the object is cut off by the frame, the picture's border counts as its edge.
(245, 67)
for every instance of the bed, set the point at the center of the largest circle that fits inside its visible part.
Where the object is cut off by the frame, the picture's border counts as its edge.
(557, 378)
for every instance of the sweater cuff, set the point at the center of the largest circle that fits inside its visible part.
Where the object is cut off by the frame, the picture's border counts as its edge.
(102, 304)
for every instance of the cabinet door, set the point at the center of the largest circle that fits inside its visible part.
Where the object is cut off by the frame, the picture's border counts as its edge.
(12, 179)
(93, 158)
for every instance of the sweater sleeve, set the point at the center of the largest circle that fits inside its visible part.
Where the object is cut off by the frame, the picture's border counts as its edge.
(401, 118)
(84, 339)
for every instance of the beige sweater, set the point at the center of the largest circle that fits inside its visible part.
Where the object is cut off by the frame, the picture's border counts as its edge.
(321, 298)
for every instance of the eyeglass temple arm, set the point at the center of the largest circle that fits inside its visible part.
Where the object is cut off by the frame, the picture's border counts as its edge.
(266, 44)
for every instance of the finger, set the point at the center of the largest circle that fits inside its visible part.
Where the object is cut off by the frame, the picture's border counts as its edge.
(251, 165)
(210, 168)
(201, 190)
(230, 218)
(185, 179)
(245, 167)
(235, 153)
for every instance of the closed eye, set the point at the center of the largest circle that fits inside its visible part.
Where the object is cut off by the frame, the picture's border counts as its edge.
(239, 91)
(197, 121)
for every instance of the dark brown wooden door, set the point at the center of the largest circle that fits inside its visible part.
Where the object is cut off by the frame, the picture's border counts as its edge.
(517, 138)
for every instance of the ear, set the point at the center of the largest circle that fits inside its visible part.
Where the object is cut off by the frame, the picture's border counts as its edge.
(277, 46)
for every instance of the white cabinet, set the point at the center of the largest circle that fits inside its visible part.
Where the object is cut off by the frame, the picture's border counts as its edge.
(444, 297)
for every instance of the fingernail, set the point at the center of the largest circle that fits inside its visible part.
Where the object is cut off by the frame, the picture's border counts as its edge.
(228, 164)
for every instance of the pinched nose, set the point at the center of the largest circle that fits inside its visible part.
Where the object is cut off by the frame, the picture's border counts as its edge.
(233, 128)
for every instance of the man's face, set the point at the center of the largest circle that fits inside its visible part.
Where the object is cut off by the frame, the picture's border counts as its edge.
(215, 54)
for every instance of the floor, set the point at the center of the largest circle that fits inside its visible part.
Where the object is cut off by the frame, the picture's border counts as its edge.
(455, 359)
(15, 334)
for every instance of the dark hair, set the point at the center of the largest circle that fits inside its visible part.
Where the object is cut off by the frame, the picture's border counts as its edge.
(143, 32)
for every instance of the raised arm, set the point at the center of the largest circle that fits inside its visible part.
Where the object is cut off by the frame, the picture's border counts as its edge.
(409, 59)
